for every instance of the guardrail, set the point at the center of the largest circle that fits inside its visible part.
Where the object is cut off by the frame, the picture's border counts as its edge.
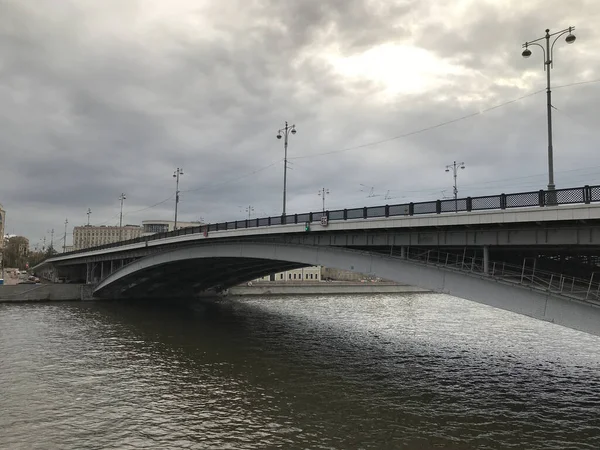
(525, 274)
(579, 195)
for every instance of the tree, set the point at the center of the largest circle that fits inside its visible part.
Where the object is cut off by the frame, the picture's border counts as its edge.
(16, 252)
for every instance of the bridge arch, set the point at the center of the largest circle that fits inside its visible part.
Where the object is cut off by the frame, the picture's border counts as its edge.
(192, 269)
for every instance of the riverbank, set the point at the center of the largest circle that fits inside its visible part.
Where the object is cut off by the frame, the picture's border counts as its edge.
(79, 292)
(45, 293)
(322, 288)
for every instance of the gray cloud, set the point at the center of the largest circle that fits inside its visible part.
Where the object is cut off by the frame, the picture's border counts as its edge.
(102, 98)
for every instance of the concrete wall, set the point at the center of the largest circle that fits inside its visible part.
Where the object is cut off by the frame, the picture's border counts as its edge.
(41, 292)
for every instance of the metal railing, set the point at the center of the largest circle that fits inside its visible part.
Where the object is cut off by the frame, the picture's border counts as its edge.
(525, 274)
(579, 195)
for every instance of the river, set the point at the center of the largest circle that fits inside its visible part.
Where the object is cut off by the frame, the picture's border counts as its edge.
(414, 371)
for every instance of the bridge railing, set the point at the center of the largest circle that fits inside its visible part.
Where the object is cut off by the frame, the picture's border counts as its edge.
(525, 274)
(542, 198)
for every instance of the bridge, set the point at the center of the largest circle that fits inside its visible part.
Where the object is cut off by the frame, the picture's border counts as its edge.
(534, 253)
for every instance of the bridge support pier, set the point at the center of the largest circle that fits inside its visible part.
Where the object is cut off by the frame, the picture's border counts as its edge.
(101, 270)
(88, 267)
(403, 252)
(112, 266)
(486, 260)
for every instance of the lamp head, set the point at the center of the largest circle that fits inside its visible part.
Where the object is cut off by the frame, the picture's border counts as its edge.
(526, 53)
(279, 136)
(293, 130)
(447, 170)
(570, 38)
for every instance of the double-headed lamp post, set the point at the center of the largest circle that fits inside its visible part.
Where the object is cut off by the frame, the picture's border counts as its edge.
(322, 193)
(548, 53)
(454, 168)
(176, 175)
(285, 132)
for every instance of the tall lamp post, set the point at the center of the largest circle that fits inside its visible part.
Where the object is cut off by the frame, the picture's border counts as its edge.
(548, 53)
(285, 132)
(65, 238)
(122, 198)
(454, 168)
(322, 193)
(176, 175)
(87, 232)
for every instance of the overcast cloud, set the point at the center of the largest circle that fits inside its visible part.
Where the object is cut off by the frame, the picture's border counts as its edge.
(103, 97)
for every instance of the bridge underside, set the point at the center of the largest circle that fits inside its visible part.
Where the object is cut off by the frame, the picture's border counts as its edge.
(187, 272)
(192, 277)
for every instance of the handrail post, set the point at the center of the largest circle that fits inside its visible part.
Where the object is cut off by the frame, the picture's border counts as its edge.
(590, 285)
(550, 283)
(542, 197)
(587, 194)
(523, 270)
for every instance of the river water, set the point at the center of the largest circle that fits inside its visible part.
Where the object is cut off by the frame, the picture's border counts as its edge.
(414, 371)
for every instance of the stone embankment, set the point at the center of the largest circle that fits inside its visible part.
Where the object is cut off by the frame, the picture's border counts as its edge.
(78, 292)
(45, 293)
(321, 288)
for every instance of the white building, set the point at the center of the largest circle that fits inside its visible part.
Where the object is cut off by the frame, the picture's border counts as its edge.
(163, 226)
(90, 236)
(312, 273)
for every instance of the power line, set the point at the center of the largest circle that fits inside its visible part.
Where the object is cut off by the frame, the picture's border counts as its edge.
(422, 130)
(233, 180)
(579, 83)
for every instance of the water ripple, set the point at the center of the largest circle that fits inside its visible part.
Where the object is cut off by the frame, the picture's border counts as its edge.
(387, 371)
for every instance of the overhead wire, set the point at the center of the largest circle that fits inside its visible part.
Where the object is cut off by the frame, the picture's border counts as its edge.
(421, 130)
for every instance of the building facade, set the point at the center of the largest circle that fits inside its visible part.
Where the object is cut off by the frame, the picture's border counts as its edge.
(91, 236)
(162, 226)
(304, 274)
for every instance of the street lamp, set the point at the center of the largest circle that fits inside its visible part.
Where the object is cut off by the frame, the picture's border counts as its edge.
(65, 237)
(176, 175)
(89, 212)
(454, 167)
(322, 193)
(121, 198)
(285, 132)
(548, 53)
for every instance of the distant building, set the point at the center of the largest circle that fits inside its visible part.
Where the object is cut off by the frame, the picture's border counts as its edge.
(69, 248)
(91, 236)
(304, 274)
(163, 226)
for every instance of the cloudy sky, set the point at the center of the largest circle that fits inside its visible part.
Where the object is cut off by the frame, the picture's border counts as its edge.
(99, 98)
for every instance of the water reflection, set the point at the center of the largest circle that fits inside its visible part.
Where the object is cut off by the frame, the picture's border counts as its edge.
(414, 371)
